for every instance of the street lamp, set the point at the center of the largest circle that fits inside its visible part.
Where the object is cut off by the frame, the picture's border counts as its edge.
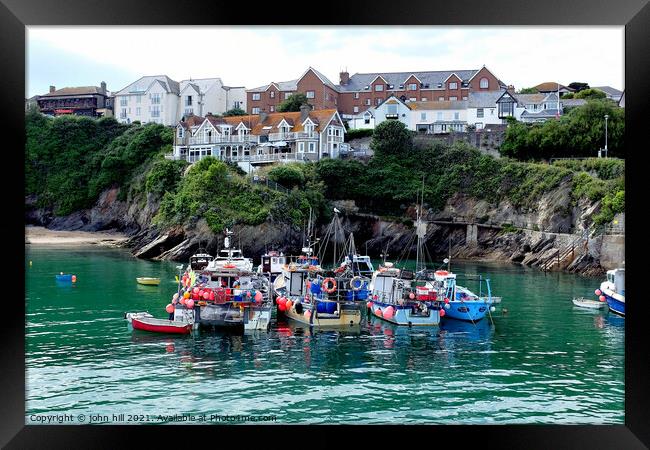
(606, 117)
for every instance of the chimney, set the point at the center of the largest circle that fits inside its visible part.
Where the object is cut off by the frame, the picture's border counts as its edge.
(304, 111)
(103, 85)
(52, 89)
(344, 78)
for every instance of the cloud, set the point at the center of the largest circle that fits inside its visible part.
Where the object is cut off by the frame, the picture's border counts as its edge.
(253, 56)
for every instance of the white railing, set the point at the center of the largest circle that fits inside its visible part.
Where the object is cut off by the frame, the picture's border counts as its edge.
(223, 139)
(282, 136)
(272, 157)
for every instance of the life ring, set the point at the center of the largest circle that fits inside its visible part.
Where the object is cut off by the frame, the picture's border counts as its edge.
(331, 282)
(442, 272)
(352, 283)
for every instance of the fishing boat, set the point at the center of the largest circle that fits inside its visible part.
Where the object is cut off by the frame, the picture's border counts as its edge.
(459, 302)
(160, 325)
(149, 281)
(225, 298)
(229, 258)
(199, 261)
(272, 264)
(613, 291)
(586, 303)
(312, 295)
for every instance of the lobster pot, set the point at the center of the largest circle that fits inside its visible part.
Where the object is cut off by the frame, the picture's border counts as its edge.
(326, 307)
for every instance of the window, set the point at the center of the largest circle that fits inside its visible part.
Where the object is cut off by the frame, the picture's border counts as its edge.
(441, 99)
(272, 108)
(368, 101)
(301, 147)
(287, 95)
(391, 111)
(366, 119)
(424, 99)
(123, 101)
(413, 87)
(312, 147)
(439, 115)
(453, 85)
(356, 109)
(327, 96)
(137, 111)
(256, 96)
(423, 116)
(180, 133)
(155, 99)
(310, 94)
(379, 87)
(464, 97)
(413, 99)
(479, 125)
(453, 99)
(138, 99)
(484, 84)
(480, 112)
(155, 111)
(272, 94)
(356, 95)
(377, 101)
(456, 116)
(255, 110)
(188, 100)
(123, 114)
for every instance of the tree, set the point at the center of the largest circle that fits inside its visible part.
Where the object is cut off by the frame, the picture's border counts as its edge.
(591, 94)
(391, 137)
(530, 90)
(293, 103)
(568, 95)
(287, 175)
(234, 112)
(578, 86)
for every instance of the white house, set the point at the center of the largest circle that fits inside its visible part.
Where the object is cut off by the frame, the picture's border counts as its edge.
(162, 100)
(393, 109)
(209, 96)
(531, 107)
(149, 99)
(254, 140)
(362, 120)
(482, 109)
(438, 116)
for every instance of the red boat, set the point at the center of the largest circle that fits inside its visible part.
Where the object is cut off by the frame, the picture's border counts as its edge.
(161, 325)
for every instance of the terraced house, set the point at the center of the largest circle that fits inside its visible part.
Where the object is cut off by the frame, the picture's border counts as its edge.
(362, 91)
(253, 140)
(162, 100)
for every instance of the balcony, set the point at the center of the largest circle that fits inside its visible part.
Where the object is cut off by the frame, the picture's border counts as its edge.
(223, 139)
(259, 159)
(290, 136)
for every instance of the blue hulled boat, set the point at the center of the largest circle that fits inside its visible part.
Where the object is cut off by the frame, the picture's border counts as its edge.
(460, 302)
(613, 289)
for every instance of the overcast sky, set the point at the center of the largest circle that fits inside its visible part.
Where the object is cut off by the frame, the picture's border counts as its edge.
(253, 56)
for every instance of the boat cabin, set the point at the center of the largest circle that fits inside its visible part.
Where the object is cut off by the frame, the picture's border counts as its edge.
(616, 279)
(361, 265)
(200, 261)
(272, 262)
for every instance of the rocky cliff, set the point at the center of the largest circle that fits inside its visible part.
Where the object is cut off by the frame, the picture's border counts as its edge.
(551, 236)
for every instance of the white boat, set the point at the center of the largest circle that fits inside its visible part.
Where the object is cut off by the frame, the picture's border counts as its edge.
(272, 263)
(229, 258)
(613, 290)
(586, 303)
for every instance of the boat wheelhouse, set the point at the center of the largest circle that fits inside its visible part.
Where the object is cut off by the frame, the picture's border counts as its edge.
(394, 298)
(613, 289)
(230, 258)
(272, 263)
(459, 302)
(199, 261)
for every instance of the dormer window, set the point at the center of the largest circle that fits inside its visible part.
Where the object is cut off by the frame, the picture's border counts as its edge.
(439, 85)
(180, 132)
(484, 83)
(379, 87)
(390, 86)
(272, 94)
(366, 87)
(453, 85)
(401, 86)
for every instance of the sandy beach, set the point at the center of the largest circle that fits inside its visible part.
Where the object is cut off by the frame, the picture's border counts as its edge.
(43, 236)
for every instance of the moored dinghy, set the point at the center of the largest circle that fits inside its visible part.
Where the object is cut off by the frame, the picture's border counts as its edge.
(591, 304)
(160, 325)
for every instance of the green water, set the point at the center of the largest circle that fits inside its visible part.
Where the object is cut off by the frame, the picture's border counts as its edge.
(543, 361)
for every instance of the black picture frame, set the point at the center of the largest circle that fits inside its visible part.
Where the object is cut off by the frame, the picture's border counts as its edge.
(15, 15)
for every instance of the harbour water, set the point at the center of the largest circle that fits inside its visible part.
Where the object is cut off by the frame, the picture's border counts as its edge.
(542, 361)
